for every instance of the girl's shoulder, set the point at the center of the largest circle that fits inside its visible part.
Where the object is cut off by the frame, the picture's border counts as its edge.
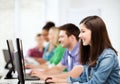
(108, 52)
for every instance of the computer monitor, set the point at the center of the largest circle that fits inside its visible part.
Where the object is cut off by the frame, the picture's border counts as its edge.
(11, 56)
(7, 58)
(20, 62)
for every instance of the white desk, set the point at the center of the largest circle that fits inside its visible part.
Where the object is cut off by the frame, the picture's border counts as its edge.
(15, 81)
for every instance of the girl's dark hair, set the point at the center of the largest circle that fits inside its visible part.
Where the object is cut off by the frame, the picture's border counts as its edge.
(99, 40)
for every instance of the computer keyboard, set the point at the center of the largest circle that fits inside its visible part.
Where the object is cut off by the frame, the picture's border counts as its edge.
(41, 83)
(29, 77)
(37, 83)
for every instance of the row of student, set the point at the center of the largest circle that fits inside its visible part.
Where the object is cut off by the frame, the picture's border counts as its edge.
(53, 52)
(41, 39)
(93, 60)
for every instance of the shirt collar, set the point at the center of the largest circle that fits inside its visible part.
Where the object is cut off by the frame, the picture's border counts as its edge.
(75, 50)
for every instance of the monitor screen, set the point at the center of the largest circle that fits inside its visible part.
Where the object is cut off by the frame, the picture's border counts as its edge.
(7, 58)
(19, 61)
(6, 55)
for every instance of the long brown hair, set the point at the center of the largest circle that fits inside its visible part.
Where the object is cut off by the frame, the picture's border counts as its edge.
(99, 40)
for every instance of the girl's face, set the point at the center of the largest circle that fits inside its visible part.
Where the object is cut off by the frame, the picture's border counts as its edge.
(85, 35)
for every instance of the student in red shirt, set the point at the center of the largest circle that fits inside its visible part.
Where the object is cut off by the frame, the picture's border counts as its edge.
(37, 52)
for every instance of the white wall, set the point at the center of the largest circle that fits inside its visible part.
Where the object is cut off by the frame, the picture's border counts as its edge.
(6, 26)
(52, 11)
(109, 10)
(32, 19)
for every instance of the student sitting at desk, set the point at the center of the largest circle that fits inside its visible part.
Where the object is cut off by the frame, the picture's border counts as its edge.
(37, 52)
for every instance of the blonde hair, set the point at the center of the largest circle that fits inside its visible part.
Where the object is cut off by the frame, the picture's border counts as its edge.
(56, 30)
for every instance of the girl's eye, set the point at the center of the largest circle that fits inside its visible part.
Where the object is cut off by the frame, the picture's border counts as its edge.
(82, 31)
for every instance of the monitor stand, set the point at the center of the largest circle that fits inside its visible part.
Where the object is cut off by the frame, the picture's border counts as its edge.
(9, 74)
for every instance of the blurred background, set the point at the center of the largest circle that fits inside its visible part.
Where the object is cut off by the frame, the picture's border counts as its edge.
(25, 18)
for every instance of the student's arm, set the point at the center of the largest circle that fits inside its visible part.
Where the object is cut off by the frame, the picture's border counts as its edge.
(49, 72)
(40, 60)
(42, 66)
(55, 70)
(74, 73)
(62, 78)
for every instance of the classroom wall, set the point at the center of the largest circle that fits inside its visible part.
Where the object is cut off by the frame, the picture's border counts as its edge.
(109, 11)
(32, 19)
(20, 18)
(6, 26)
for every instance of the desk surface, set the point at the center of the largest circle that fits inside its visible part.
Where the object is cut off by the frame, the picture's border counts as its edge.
(15, 81)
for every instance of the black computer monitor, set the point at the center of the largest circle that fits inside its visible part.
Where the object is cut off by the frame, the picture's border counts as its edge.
(11, 56)
(20, 65)
(19, 61)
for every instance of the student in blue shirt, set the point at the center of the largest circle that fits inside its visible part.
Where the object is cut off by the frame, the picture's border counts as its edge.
(97, 55)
